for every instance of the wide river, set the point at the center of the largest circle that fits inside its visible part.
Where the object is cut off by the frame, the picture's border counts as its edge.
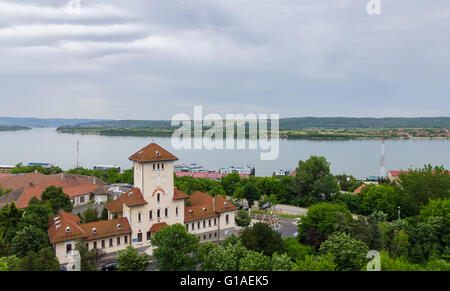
(360, 158)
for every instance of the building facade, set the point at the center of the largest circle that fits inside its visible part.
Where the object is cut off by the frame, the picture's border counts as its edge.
(154, 203)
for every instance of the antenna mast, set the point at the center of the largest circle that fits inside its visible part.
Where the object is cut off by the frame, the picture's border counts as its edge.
(383, 159)
(78, 149)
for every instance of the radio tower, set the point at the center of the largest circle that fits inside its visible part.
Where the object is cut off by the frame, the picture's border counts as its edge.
(383, 160)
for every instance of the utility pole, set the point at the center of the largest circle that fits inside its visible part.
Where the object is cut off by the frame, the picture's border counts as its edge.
(78, 149)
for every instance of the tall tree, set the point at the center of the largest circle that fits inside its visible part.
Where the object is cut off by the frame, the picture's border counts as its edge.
(261, 238)
(175, 248)
(251, 194)
(57, 198)
(130, 260)
(29, 238)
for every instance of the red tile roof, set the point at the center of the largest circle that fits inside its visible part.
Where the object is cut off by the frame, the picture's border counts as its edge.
(207, 175)
(152, 153)
(115, 206)
(202, 206)
(177, 194)
(15, 182)
(65, 226)
(359, 189)
(158, 226)
(72, 187)
(132, 198)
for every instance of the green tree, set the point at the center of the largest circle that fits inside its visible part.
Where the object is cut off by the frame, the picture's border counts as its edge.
(261, 238)
(10, 217)
(225, 258)
(43, 260)
(88, 260)
(104, 215)
(130, 260)
(424, 184)
(296, 250)
(36, 214)
(243, 219)
(230, 182)
(315, 182)
(217, 190)
(90, 215)
(312, 263)
(251, 194)
(255, 261)
(12, 263)
(281, 262)
(28, 239)
(175, 248)
(349, 253)
(57, 198)
(321, 221)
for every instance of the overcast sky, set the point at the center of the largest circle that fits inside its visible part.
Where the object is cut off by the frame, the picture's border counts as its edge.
(150, 59)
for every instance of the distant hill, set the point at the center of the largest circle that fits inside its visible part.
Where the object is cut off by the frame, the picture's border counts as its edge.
(295, 123)
(42, 122)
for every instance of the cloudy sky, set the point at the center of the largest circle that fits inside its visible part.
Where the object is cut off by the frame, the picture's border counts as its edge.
(150, 59)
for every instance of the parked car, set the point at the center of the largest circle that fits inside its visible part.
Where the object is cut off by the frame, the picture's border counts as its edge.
(110, 267)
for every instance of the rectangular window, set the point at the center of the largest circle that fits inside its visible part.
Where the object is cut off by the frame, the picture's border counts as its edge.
(193, 226)
(153, 166)
(215, 234)
(187, 227)
(139, 217)
(118, 240)
(166, 212)
(140, 237)
(204, 237)
(158, 167)
(95, 245)
(227, 219)
(204, 223)
(176, 211)
(150, 214)
(159, 213)
(215, 221)
(162, 166)
(209, 235)
(209, 223)
(110, 242)
(125, 239)
(87, 246)
(82, 199)
(198, 225)
(103, 243)
(149, 234)
(68, 248)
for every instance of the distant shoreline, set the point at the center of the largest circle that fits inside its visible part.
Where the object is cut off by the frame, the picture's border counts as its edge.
(284, 134)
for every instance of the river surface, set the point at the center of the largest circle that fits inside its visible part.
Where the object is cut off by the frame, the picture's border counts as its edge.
(360, 158)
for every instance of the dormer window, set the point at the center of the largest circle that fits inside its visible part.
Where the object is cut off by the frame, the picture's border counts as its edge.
(67, 229)
(190, 211)
(94, 230)
(157, 154)
(204, 209)
(119, 226)
(225, 203)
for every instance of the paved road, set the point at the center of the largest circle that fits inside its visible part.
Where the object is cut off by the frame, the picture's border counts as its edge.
(291, 209)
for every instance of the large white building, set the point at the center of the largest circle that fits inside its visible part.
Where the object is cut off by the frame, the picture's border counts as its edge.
(153, 204)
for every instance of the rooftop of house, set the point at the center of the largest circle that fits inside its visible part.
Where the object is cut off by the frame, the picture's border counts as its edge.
(65, 226)
(203, 205)
(72, 186)
(152, 153)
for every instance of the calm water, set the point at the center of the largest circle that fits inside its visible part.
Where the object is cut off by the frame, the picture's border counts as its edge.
(360, 158)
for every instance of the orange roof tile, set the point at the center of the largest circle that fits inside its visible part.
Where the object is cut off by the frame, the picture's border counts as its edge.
(132, 198)
(359, 189)
(115, 206)
(72, 187)
(15, 182)
(177, 194)
(152, 153)
(202, 206)
(158, 226)
(65, 226)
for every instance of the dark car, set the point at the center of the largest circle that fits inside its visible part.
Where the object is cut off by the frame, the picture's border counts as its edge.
(109, 267)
